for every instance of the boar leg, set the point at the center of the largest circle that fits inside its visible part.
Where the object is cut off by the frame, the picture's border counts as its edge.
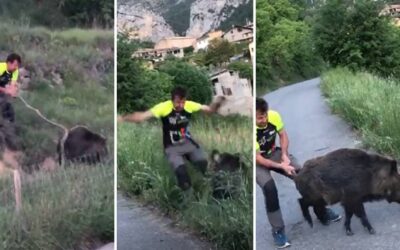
(320, 211)
(304, 209)
(360, 212)
(349, 213)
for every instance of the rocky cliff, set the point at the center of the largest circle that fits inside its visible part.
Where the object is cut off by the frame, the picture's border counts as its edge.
(154, 19)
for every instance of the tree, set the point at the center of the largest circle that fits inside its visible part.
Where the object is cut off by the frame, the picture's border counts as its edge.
(138, 88)
(59, 14)
(192, 78)
(356, 36)
(245, 69)
(285, 51)
(219, 51)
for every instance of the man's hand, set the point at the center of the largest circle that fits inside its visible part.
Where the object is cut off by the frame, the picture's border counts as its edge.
(214, 106)
(288, 169)
(11, 90)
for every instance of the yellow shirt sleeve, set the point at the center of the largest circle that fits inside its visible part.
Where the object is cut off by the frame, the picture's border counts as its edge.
(275, 118)
(192, 106)
(162, 109)
(257, 146)
(15, 75)
(3, 68)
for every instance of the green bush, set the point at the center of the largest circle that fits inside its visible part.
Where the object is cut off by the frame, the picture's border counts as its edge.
(370, 103)
(191, 77)
(285, 52)
(355, 35)
(59, 14)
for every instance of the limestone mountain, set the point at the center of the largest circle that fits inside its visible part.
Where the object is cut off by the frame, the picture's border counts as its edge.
(154, 19)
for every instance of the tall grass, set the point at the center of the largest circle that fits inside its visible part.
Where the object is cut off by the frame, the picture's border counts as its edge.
(69, 208)
(369, 103)
(144, 172)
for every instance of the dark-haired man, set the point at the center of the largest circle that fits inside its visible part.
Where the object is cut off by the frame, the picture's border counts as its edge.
(8, 84)
(269, 157)
(178, 142)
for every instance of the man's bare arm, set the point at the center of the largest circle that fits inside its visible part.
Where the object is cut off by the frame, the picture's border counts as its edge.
(284, 142)
(214, 106)
(261, 160)
(136, 117)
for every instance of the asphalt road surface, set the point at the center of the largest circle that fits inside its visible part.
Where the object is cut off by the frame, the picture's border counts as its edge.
(313, 131)
(139, 228)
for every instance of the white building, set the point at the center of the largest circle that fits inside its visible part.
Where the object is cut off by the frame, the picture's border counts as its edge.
(239, 34)
(203, 42)
(236, 90)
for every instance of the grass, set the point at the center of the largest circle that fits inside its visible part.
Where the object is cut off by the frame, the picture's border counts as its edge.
(144, 172)
(369, 103)
(69, 208)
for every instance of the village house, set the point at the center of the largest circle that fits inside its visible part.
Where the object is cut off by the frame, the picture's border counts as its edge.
(239, 34)
(236, 90)
(159, 54)
(175, 42)
(203, 42)
(393, 10)
(171, 46)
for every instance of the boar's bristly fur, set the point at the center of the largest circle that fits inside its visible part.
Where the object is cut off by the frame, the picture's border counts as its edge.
(348, 176)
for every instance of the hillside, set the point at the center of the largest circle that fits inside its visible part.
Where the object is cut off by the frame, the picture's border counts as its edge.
(152, 20)
(68, 76)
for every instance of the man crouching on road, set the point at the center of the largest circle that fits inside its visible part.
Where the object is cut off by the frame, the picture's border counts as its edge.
(269, 157)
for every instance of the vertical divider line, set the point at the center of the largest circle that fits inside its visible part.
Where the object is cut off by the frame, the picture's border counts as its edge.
(115, 126)
(254, 120)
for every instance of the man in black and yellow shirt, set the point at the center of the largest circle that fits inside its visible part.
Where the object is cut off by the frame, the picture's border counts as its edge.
(178, 143)
(269, 157)
(8, 84)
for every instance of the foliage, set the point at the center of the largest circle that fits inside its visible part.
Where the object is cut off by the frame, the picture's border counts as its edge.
(355, 35)
(71, 208)
(144, 172)
(58, 14)
(285, 50)
(369, 103)
(191, 77)
(219, 51)
(244, 68)
(138, 87)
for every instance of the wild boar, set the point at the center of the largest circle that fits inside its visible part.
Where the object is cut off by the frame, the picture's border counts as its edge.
(348, 176)
(226, 176)
(83, 146)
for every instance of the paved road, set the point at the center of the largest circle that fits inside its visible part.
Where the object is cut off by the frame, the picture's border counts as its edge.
(141, 229)
(314, 131)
